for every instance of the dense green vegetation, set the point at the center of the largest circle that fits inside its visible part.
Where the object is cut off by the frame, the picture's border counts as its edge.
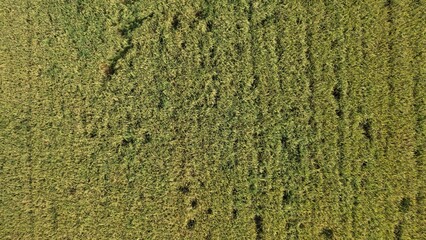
(227, 119)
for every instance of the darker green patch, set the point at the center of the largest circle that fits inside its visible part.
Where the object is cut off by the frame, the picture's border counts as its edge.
(161, 100)
(417, 153)
(175, 22)
(212, 52)
(201, 14)
(191, 224)
(147, 137)
(72, 190)
(234, 213)
(209, 26)
(339, 113)
(327, 233)
(284, 141)
(337, 93)
(234, 191)
(366, 127)
(184, 189)
(239, 48)
(255, 82)
(127, 140)
(286, 197)
(405, 204)
(209, 211)
(194, 203)
(398, 231)
(334, 44)
(258, 221)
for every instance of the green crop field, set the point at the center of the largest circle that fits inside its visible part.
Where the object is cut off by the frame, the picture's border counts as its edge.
(213, 119)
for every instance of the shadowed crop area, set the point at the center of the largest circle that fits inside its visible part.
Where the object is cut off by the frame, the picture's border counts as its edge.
(212, 119)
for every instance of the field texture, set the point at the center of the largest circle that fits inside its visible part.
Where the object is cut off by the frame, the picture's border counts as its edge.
(212, 119)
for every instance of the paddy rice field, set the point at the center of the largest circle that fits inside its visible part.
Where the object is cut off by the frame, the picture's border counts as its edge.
(213, 119)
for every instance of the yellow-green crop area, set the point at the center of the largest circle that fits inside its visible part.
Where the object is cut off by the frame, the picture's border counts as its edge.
(213, 119)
